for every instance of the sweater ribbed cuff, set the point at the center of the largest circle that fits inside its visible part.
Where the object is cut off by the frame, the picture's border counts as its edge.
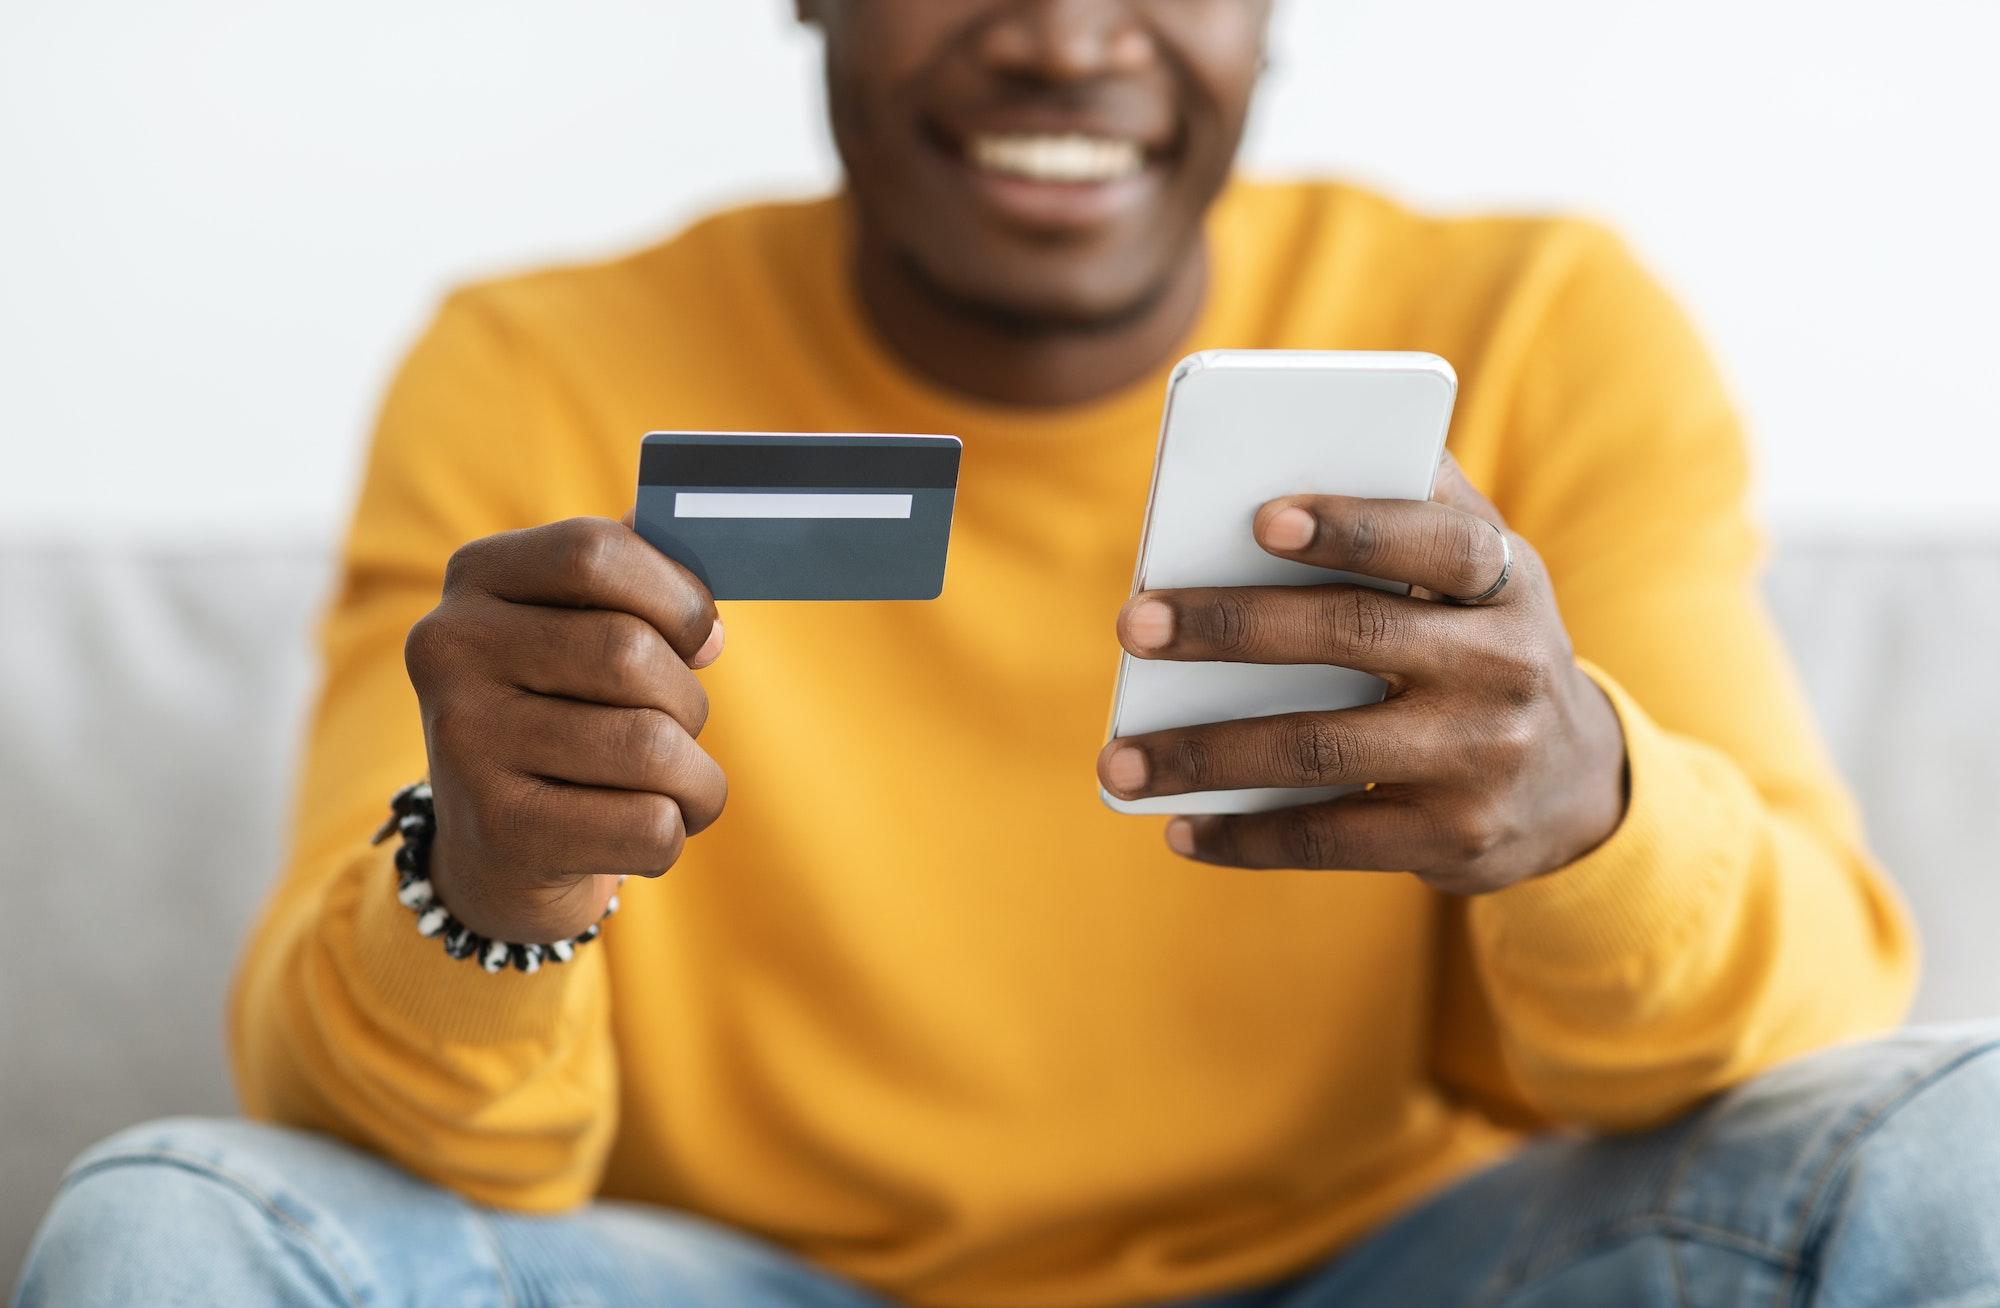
(408, 979)
(1655, 879)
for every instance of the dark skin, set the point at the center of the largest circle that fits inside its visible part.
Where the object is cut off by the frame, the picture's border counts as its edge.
(556, 675)
(560, 707)
(1019, 298)
(1493, 757)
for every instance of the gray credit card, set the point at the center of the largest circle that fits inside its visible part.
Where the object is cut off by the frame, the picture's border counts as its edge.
(784, 516)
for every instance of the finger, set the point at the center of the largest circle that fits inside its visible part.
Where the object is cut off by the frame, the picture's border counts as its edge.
(1377, 742)
(600, 656)
(711, 649)
(1453, 488)
(595, 563)
(1419, 543)
(572, 831)
(1359, 833)
(619, 749)
(1347, 626)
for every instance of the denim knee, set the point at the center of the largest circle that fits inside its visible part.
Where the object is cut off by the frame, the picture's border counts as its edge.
(158, 1214)
(1915, 1215)
(1941, 1116)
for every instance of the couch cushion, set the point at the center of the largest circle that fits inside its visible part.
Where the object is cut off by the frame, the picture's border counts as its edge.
(148, 707)
(1896, 643)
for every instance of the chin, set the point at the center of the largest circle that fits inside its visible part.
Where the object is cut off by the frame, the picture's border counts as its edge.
(1035, 295)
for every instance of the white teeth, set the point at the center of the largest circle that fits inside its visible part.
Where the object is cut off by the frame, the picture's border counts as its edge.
(1072, 158)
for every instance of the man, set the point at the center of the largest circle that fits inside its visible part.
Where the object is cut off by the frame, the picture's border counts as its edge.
(920, 1019)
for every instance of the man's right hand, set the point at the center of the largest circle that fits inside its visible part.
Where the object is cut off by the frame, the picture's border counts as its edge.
(560, 713)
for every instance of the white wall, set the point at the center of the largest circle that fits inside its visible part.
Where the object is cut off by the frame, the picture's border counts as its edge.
(220, 219)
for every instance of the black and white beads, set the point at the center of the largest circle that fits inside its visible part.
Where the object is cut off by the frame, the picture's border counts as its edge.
(414, 821)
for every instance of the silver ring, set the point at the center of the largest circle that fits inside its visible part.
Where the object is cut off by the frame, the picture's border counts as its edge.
(1499, 583)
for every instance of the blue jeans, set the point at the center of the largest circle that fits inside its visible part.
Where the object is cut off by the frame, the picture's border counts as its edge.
(1869, 1174)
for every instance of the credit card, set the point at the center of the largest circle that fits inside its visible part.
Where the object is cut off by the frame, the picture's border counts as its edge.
(794, 516)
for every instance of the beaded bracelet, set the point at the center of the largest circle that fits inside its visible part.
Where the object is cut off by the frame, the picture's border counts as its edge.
(412, 817)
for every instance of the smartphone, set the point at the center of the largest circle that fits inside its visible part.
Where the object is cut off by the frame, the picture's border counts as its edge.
(1242, 427)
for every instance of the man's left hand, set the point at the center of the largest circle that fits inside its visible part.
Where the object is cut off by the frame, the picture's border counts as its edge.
(1494, 757)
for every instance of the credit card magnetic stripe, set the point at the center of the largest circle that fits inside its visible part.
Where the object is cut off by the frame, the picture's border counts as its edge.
(807, 466)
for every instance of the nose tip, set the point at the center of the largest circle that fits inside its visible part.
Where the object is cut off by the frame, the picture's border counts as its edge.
(1067, 40)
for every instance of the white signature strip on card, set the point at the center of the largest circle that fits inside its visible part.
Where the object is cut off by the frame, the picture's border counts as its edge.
(779, 504)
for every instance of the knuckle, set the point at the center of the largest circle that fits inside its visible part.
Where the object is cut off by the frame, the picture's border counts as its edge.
(1478, 832)
(659, 832)
(625, 650)
(700, 810)
(465, 564)
(1220, 840)
(1360, 539)
(1304, 840)
(1224, 618)
(697, 708)
(422, 648)
(1191, 759)
(1512, 740)
(1316, 750)
(1358, 620)
(588, 552)
(1525, 678)
(1459, 554)
(648, 734)
(694, 614)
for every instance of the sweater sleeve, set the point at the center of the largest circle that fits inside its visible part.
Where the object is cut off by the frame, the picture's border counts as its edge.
(344, 1019)
(1735, 918)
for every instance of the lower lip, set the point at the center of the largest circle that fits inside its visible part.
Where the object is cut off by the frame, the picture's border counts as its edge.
(1060, 206)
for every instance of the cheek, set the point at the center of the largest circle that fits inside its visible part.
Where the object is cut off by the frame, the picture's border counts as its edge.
(884, 43)
(871, 51)
(1221, 45)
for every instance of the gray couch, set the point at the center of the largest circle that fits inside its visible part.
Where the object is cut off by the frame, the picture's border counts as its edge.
(150, 701)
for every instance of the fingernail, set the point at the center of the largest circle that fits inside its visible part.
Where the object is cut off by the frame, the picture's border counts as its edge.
(1290, 528)
(1150, 625)
(1180, 837)
(1125, 770)
(711, 649)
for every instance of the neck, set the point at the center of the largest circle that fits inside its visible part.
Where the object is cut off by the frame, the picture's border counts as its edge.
(1019, 359)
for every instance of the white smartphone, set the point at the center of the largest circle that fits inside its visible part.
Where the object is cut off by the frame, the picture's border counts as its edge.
(1242, 427)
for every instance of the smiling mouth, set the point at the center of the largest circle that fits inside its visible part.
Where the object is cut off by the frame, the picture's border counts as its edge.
(1052, 156)
(1071, 158)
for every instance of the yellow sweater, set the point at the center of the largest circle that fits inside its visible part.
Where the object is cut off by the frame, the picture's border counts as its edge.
(920, 1007)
